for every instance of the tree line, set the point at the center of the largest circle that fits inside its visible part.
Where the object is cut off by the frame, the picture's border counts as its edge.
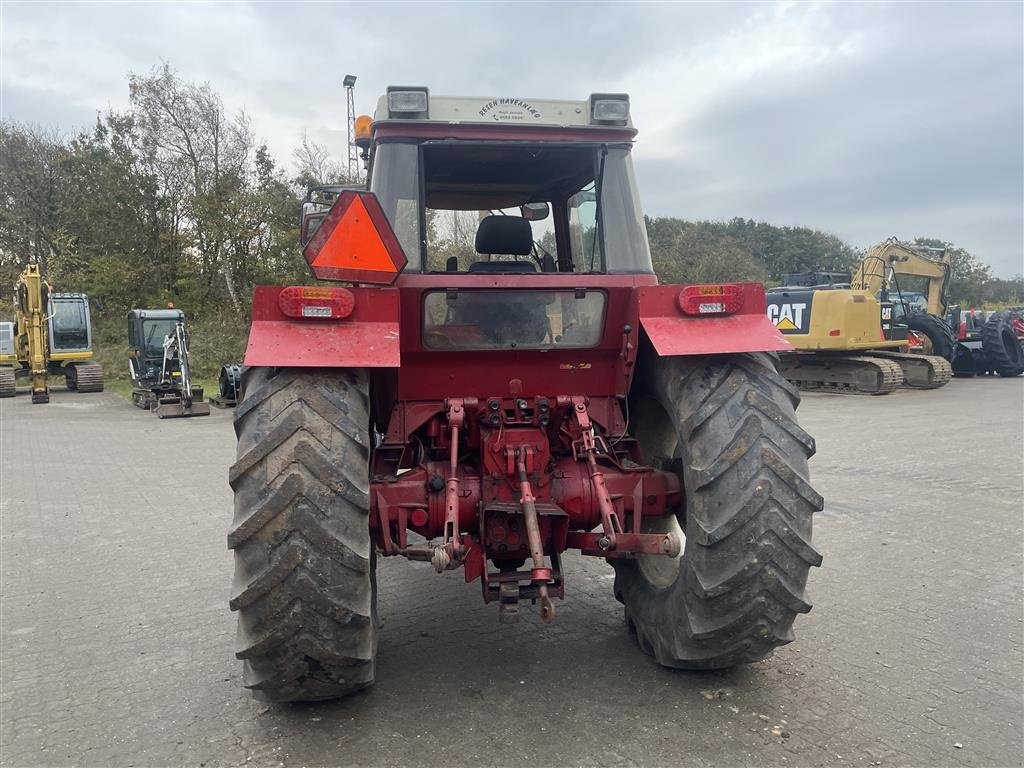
(174, 200)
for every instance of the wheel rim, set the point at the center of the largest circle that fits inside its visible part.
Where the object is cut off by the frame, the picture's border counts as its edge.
(654, 430)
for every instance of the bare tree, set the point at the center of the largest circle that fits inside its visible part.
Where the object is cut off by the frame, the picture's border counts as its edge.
(316, 167)
(203, 158)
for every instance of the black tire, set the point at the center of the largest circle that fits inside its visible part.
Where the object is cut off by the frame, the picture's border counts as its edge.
(939, 332)
(727, 425)
(228, 381)
(1001, 345)
(305, 582)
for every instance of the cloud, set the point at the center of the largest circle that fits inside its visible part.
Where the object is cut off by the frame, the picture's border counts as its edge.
(865, 120)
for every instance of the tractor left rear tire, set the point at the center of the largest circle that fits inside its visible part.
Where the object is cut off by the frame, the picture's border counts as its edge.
(305, 583)
(727, 426)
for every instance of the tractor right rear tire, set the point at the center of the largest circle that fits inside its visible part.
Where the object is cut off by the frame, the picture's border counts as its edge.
(938, 331)
(726, 424)
(305, 582)
(1001, 346)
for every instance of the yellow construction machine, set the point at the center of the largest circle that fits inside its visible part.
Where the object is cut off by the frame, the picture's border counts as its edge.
(8, 359)
(925, 314)
(971, 344)
(51, 335)
(846, 339)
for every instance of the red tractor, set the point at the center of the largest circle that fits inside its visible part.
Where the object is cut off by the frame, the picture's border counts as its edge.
(503, 377)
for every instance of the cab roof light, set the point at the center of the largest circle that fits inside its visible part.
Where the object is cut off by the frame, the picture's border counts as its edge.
(363, 130)
(408, 102)
(609, 108)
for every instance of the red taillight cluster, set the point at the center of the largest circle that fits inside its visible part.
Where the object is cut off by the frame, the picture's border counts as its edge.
(316, 303)
(712, 299)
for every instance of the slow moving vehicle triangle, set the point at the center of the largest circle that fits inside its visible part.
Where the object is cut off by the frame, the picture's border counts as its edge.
(355, 243)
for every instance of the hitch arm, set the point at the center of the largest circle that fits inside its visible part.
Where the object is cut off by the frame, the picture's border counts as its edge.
(609, 518)
(449, 554)
(540, 574)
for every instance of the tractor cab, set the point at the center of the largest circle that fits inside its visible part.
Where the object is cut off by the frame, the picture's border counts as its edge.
(508, 186)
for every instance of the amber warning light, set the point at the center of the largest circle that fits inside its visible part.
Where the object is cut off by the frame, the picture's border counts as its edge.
(715, 299)
(355, 243)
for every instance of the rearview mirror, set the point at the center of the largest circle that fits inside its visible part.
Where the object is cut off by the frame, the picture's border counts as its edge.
(310, 224)
(535, 211)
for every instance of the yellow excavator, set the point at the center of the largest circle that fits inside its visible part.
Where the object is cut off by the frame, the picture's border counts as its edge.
(52, 334)
(847, 339)
(879, 273)
(972, 346)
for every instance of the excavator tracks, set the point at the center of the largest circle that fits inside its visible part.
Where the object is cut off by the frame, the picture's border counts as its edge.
(85, 377)
(7, 386)
(857, 374)
(920, 371)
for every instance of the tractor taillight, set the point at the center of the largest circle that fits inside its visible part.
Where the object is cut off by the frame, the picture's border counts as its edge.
(718, 299)
(316, 303)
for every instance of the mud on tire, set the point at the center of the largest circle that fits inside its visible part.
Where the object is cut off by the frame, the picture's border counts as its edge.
(727, 425)
(305, 583)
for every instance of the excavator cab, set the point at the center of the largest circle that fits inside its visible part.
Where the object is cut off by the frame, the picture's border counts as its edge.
(147, 330)
(159, 364)
(69, 326)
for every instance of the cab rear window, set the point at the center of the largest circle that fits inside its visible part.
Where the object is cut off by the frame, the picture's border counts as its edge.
(516, 319)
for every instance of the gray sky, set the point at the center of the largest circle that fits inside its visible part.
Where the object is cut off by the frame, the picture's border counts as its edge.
(868, 120)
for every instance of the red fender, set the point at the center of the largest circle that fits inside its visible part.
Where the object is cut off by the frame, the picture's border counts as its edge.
(366, 338)
(674, 333)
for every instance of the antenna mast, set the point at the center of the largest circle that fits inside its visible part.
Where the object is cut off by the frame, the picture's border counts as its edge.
(353, 151)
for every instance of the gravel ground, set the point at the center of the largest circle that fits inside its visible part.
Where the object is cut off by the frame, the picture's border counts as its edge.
(116, 642)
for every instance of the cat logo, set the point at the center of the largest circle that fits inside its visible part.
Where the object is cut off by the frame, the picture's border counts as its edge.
(787, 317)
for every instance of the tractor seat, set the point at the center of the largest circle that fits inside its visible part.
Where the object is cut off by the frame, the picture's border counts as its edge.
(506, 236)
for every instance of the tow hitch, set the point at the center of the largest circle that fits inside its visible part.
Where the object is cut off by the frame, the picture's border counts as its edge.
(505, 495)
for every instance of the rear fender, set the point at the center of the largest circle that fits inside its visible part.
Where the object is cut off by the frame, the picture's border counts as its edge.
(674, 333)
(367, 338)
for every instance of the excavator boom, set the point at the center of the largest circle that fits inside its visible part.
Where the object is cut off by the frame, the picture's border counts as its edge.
(884, 263)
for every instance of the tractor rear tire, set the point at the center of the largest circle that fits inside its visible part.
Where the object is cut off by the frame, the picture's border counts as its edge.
(727, 426)
(1001, 345)
(938, 331)
(305, 582)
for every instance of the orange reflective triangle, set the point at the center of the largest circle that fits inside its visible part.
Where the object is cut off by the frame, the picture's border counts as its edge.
(355, 243)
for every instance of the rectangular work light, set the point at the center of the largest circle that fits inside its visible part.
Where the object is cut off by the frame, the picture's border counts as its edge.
(609, 108)
(407, 102)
